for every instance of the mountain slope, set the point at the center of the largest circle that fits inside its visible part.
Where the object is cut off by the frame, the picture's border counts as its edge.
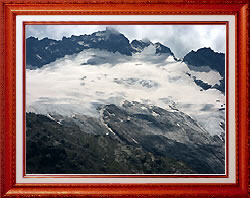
(168, 134)
(131, 139)
(62, 149)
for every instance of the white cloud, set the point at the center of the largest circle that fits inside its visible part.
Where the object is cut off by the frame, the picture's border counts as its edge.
(180, 38)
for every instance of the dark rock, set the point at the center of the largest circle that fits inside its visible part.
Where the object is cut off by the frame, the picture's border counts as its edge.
(207, 57)
(139, 46)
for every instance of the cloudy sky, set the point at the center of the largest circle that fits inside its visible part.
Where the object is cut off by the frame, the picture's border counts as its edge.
(179, 38)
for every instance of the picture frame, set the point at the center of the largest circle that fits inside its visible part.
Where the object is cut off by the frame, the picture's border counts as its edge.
(9, 12)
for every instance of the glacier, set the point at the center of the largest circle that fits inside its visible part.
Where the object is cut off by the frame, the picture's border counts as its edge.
(80, 83)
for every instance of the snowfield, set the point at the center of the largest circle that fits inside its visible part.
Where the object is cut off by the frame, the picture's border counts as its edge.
(79, 83)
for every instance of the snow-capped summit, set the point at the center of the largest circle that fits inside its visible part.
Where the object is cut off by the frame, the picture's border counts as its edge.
(139, 45)
(45, 51)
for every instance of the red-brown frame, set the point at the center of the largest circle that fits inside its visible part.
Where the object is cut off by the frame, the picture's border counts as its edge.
(9, 10)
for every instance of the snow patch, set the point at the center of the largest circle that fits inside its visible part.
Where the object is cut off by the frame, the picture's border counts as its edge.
(37, 55)
(103, 122)
(155, 114)
(50, 117)
(212, 77)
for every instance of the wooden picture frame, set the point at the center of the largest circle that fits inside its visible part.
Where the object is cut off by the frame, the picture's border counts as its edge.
(10, 10)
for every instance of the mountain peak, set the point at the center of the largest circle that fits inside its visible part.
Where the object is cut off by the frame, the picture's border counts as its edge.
(32, 38)
(160, 49)
(109, 31)
(110, 40)
(206, 57)
(139, 45)
(207, 50)
(44, 51)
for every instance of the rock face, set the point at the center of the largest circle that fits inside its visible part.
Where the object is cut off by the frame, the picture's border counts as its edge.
(161, 49)
(164, 133)
(139, 46)
(207, 57)
(110, 40)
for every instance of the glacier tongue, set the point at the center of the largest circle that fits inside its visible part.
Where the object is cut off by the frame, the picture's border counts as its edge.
(80, 83)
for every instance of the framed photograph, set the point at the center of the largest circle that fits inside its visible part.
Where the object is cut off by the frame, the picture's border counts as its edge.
(130, 98)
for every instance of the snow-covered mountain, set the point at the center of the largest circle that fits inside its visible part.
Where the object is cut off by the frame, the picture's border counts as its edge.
(125, 85)
(79, 83)
(41, 52)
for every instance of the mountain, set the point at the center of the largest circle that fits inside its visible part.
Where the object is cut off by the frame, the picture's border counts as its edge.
(41, 52)
(207, 57)
(139, 46)
(110, 40)
(99, 104)
(45, 51)
(132, 139)
(53, 148)
(164, 133)
(161, 49)
(79, 83)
